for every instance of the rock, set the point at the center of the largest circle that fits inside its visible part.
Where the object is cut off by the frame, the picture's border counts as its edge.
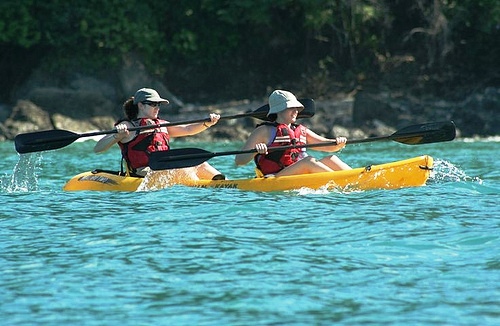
(340, 131)
(26, 117)
(76, 104)
(134, 75)
(5, 112)
(78, 126)
(103, 122)
(478, 114)
(474, 116)
(83, 103)
(330, 113)
(368, 107)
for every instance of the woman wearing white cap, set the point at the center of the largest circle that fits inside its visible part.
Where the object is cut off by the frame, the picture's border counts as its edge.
(283, 132)
(142, 109)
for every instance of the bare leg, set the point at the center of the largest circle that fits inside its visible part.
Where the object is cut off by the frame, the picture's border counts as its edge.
(335, 163)
(206, 171)
(306, 165)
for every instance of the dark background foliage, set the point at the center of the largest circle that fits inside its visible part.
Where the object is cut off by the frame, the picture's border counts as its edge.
(213, 50)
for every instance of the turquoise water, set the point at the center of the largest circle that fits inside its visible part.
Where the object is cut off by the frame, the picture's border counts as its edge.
(185, 256)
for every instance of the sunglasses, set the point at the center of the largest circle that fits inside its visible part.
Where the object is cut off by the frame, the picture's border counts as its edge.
(152, 104)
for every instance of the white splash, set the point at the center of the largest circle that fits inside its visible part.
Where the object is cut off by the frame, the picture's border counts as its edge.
(156, 180)
(445, 171)
(24, 178)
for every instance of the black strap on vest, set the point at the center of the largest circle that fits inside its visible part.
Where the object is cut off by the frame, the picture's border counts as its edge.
(124, 151)
(276, 155)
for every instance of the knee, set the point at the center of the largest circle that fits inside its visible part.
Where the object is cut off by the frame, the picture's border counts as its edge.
(205, 165)
(310, 159)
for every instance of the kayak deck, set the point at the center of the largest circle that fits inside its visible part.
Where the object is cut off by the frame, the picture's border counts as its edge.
(411, 172)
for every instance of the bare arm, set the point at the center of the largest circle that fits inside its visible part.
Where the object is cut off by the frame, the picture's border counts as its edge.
(258, 139)
(105, 143)
(123, 135)
(193, 128)
(314, 138)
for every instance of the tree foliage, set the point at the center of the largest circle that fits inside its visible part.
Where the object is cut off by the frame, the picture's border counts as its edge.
(238, 48)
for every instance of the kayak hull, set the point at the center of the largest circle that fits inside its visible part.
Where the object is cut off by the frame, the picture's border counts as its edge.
(400, 174)
(412, 172)
(99, 180)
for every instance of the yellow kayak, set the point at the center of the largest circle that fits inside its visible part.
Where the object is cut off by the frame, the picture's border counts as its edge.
(412, 172)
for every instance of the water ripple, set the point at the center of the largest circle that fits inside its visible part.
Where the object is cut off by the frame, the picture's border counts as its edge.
(183, 256)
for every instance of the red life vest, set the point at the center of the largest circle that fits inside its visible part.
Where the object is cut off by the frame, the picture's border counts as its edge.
(136, 152)
(277, 160)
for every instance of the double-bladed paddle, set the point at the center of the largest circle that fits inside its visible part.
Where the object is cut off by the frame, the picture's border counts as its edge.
(412, 135)
(53, 139)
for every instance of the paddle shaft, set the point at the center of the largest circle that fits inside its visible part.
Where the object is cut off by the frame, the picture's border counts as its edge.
(75, 136)
(54, 139)
(280, 148)
(208, 155)
(173, 159)
(411, 135)
(260, 113)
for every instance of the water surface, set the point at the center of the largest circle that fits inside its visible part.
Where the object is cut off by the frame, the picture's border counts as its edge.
(188, 256)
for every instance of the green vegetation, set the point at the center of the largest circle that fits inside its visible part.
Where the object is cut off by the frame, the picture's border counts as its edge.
(237, 48)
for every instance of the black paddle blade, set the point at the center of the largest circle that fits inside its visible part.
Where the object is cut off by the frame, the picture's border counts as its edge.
(178, 158)
(426, 133)
(308, 111)
(43, 140)
(309, 108)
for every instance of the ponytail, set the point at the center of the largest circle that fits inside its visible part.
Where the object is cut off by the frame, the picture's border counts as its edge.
(130, 109)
